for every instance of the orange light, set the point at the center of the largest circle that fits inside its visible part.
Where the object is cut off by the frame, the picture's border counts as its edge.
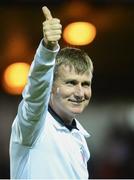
(79, 33)
(15, 77)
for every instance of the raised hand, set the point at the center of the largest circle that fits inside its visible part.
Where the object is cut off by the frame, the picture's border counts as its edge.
(52, 29)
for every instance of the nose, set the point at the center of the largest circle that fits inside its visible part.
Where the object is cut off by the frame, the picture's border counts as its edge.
(79, 92)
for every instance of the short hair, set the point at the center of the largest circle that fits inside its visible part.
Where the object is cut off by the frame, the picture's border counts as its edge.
(73, 57)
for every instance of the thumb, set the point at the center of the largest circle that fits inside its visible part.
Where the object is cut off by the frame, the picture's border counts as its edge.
(47, 13)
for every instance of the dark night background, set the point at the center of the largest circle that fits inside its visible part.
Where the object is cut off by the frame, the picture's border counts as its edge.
(110, 115)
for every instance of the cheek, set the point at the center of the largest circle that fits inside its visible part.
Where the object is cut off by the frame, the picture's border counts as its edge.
(88, 93)
(65, 92)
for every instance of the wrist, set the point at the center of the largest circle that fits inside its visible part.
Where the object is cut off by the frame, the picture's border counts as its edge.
(50, 45)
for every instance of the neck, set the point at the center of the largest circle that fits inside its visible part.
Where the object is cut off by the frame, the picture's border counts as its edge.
(66, 119)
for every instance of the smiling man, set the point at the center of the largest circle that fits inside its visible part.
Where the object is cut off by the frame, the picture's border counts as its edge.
(71, 89)
(47, 142)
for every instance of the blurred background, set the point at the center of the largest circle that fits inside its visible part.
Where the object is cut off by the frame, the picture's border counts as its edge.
(109, 117)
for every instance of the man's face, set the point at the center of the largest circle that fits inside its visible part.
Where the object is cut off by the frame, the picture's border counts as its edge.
(71, 92)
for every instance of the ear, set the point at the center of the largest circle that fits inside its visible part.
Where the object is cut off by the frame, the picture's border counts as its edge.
(53, 88)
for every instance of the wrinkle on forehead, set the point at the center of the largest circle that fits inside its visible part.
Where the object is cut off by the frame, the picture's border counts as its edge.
(65, 72)
(69, 68)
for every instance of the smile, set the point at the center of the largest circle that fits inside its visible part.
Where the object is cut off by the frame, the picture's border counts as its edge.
(77, 102)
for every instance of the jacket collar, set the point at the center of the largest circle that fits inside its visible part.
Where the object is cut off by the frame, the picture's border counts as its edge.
(60, 125)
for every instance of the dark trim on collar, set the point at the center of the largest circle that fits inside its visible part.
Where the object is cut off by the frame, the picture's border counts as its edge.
(57, 118)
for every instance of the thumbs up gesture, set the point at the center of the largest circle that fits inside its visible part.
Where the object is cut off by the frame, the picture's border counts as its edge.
(52, 29)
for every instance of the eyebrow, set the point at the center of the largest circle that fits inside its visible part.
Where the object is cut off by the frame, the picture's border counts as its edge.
(71, 80)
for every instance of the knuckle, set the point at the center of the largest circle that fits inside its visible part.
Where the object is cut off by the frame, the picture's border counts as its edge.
(59, 36)
(47, 33)
(56, 19)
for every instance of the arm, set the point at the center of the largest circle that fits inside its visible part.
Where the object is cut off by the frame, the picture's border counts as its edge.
(32, 109)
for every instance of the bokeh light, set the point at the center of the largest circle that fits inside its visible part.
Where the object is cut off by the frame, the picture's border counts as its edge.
(79, 33)
(15, 77)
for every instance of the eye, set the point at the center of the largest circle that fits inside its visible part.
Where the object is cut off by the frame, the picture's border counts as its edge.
(86, 84)
(71, 82)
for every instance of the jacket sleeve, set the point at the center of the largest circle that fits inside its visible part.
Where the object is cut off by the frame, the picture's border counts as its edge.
(33, 107)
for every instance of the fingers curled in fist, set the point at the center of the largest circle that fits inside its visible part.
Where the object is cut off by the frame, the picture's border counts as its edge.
(52, 29)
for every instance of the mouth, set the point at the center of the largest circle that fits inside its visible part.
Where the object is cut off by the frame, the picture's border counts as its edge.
(76, 101)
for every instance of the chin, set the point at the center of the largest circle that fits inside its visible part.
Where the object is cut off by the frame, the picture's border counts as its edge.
(77, 112)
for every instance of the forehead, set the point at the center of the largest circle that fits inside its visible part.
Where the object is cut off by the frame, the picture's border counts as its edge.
(65, 72)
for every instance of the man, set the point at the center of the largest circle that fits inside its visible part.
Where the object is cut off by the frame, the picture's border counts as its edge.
(47, 141)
